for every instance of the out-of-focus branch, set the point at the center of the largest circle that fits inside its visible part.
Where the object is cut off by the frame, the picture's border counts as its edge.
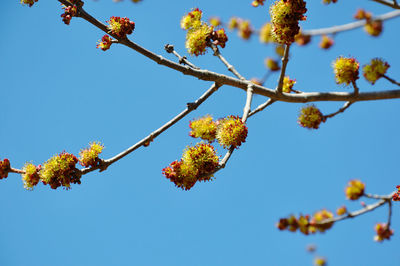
(352, 25)
(230, 67)
(387, 3)
(182, 59)
(385, 200)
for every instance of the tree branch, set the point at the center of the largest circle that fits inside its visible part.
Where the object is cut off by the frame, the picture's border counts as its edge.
(350, 26)
(154, 134)
(341, 110)
(366, 209)
(387, 3)
(285, 60)
(230, 67)
(391, 80)
(182, 59)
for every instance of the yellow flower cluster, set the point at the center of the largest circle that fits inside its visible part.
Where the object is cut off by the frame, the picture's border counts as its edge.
(354, 190)
(310, 117)
(346, 70)
(90, 156)
(375, 70)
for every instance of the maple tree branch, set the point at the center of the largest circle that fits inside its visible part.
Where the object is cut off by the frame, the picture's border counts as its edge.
(352, 25)
(262, 107)
(182, 59)
(230, 67)
(384, 200)
(226, 80)
(190, 107)
(341, 110)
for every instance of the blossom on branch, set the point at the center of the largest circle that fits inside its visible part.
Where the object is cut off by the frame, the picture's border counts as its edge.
(90, 156)
(375, 70)
(105, 43)
(346, 70)
(231, 131)
(257, 3)
(285, 17)
(31, 176)
(69, 12)
(310, 117)
(120, 26)
(204, 128)
(355, 189)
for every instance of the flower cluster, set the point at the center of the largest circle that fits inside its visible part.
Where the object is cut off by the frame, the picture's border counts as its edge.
(69, 12)
(382, 232)
(231, 131)
(375, 70)
(4, 168)
(288, 84)
(372, 27)
(346, 70)
(31, 177)
(355, 189)
(60, 170)
(120, 26)
(28, 2)
(204, 128)
(257, 3)
(285, 17)
(302, 39)
(266, 33)
(326, 42)
(105, 43)
(197, 164)
(305, 224)
(310, 117)
(320, 261)
(215, 21)
(200, 34)
(271, 64)
(243, 26)
(90, 156)
(396, 196)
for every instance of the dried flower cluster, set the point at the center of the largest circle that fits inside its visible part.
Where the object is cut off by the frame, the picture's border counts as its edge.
(307, 225)
(285, 17)
(375, 70)
(310, 117)
(354, 189)
(200, 35)
(69, 12)
(346, 70)
(4, 168)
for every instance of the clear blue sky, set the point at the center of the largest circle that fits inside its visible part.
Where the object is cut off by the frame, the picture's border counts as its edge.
(59, 93)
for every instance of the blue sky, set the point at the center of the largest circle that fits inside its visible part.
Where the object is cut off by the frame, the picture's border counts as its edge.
(59, 93)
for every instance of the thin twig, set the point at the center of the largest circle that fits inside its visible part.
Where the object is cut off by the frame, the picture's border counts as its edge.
(389, 213)
(154, 134)
(226, 80)
(387, 3)
(262, 107)
(391, 80)
(375, 196)
(17, 171)
(182, 59)
(350, 26)
(230, 67)
(366, 209)
(341, 110)
(285, 60)
(265, 77)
